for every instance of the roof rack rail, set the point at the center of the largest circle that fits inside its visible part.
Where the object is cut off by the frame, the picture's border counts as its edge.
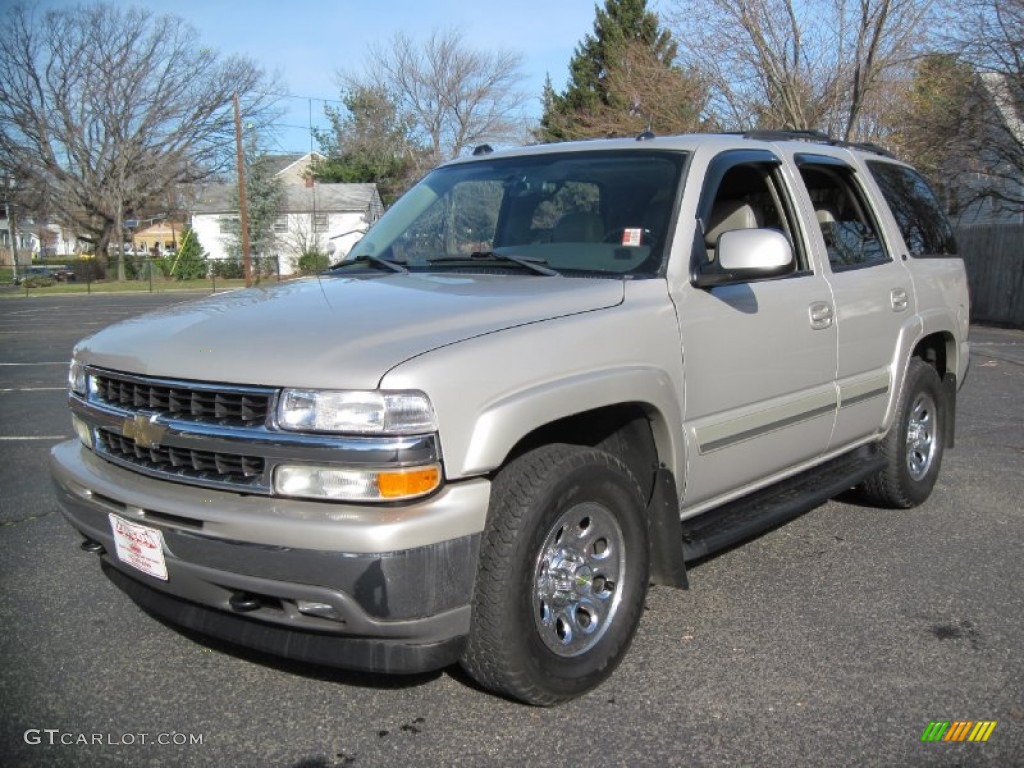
(868, 146)
(805, 134)
(808, 134)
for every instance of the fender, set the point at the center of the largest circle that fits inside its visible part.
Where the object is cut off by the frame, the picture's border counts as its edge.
(490, 392)
(509, 419)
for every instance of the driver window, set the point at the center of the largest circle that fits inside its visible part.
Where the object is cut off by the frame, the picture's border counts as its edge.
(749, 196)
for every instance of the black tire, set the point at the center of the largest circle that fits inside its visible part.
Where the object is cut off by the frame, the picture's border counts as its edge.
(914, 446)
(562, 575)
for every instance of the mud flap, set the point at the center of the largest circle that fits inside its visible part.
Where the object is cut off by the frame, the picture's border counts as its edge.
(949, 396)
(666, 534)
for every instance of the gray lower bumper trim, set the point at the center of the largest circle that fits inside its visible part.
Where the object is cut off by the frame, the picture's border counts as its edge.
(376, 655)
(363, 588)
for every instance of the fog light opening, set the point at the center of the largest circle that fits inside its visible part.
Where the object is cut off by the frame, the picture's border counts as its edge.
(322, 610)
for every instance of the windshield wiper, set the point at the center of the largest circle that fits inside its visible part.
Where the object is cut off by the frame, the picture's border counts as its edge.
(534, 265)
(394, 266)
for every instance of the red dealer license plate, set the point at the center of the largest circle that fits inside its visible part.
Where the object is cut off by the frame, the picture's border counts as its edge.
(139, 546)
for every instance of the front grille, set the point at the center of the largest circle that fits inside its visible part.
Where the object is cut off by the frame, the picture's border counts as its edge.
(186, 401)
(178, 463)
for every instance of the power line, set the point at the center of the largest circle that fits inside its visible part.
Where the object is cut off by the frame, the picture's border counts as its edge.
(306, 98)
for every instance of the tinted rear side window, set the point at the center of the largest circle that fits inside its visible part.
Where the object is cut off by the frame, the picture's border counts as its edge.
(925, 229)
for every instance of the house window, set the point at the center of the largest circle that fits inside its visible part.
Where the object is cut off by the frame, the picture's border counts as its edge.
(281, 225)
(228, 225)
(320, 222)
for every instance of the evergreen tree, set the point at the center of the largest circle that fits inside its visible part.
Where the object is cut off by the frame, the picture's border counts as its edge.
(264, 197)
(605, 72)
(188, 263)
(368, 142)
(937, 122)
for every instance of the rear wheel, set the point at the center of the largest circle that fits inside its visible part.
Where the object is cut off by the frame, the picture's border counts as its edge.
(914, 446)
(562, 576)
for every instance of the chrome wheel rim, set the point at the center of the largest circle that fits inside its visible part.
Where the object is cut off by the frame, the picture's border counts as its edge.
(922, 439)
(579, 579)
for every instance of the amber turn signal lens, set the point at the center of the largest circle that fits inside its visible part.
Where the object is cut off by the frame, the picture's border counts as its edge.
(403, 483)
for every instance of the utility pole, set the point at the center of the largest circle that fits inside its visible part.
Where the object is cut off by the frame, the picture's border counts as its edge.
(9, 185)
(119, 237)
(14, 240)
(243, 216)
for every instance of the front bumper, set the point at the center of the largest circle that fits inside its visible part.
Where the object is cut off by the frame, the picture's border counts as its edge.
(383, 589)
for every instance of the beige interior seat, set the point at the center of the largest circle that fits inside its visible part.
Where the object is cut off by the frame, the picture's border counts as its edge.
(578, 227)
(726, 216)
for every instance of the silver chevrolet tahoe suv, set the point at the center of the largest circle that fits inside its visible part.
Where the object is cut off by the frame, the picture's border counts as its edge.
(546, 378)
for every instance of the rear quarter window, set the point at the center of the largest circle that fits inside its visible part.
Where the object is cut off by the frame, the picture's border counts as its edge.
(924, 227)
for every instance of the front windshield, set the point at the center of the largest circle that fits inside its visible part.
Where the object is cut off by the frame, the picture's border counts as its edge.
(604, 212)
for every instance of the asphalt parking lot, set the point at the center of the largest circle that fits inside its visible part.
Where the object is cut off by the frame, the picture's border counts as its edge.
(834, 640)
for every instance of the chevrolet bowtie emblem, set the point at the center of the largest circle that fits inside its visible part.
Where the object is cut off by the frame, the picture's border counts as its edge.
(144, 430)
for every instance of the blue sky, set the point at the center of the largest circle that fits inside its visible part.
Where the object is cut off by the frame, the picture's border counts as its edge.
(308, 41)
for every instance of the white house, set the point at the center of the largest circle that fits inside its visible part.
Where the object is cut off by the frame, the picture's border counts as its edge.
(35, 240)
(311, 215)
(998, 165)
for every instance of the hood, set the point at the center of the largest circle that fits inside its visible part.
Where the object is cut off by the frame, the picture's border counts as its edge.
(341, 332)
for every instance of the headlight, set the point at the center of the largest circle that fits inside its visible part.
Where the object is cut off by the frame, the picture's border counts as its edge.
(355, 411)
(349, 484)
(76, 377)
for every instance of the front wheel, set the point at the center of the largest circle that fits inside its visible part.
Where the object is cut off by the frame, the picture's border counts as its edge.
(914, 446)
(562, 575)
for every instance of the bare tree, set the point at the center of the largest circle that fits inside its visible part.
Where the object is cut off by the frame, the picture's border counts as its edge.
(988, 35)
(794, 65)
(103, 110)
(453, 95)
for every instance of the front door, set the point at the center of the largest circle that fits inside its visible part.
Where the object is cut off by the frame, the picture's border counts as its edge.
(759, 357)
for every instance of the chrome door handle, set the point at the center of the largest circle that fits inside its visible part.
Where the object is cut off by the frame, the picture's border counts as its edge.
(898, 297)
(821, 315)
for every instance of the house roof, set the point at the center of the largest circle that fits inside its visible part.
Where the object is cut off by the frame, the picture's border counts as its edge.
(278, 164)
(1008, 99)
(322, 198)
(274, 164)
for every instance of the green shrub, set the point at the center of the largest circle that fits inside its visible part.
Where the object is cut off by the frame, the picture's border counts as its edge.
(228, 269)
(264, 266)
(312, 262)
(89, 270)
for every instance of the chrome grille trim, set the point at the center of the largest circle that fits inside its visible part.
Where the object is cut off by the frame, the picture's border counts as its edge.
(221, 454)
(203, 402)
(169, 462)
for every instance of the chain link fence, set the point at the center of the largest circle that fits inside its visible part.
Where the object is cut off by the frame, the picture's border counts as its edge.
(141, 273)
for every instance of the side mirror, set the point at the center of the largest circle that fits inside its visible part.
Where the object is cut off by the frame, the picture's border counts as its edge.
(745, 255)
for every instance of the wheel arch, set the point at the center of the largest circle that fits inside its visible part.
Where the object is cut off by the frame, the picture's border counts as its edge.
(939, 350)
(629, 431)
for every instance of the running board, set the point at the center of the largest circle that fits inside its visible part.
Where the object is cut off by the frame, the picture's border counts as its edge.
(770, 507)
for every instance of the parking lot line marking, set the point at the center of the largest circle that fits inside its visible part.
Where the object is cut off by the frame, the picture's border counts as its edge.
(33, 389)
(34, 437)
(62, 362)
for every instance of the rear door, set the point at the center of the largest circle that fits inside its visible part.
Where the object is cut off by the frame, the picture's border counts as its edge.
(872, 291)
